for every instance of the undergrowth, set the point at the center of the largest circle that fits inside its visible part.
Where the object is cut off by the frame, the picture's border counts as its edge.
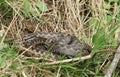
(94, 21)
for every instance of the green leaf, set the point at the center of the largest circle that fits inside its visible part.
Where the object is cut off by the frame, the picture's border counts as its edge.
(99, 39)
(42, 7)
(3, 46)
(1, 38)
(93, 21)
(1, 1)
(2, 61)
(106, 5)
(8, 53)
(114, 0)
(109, 18)
(27, 7)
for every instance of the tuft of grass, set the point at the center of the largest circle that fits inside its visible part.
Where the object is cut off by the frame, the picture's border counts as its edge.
(94, 22)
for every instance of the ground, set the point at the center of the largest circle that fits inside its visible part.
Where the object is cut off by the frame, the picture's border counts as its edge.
(95, 22)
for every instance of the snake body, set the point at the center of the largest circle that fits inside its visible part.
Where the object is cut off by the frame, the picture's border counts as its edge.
(60, 43)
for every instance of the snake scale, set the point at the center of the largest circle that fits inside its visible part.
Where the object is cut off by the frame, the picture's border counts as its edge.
(60, 43)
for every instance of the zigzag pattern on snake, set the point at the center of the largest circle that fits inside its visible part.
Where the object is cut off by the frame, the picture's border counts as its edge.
(60, 43)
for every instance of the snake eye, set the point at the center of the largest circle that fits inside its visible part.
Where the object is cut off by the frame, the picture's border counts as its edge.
(87, 49)
(85, 52)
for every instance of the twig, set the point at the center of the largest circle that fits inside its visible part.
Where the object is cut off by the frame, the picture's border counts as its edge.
(113, 64)
(68, 60)
(14, 18)
(27, 50)
(58, 73)
(106, 50)
(11, 23)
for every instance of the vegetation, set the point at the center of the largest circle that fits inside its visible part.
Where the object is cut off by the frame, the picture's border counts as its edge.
(94, 21)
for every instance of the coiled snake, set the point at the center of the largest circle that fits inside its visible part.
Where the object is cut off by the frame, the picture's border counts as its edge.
(60, 43)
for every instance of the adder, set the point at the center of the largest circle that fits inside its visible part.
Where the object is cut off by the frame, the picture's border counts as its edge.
(60, 43)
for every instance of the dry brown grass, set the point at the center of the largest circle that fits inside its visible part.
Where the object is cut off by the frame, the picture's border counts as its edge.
(69, 16)
(62, 16)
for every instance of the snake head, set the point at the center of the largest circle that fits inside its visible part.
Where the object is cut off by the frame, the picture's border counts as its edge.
(86, 50)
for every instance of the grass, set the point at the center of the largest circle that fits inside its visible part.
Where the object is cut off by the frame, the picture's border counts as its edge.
(95, 22)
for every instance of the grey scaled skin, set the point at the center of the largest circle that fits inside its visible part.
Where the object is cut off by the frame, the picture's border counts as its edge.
(61, 43)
